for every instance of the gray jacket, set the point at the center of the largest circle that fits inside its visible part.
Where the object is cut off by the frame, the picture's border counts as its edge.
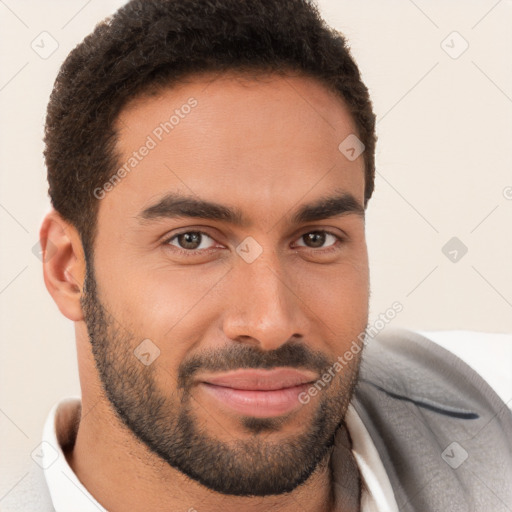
(444, 436)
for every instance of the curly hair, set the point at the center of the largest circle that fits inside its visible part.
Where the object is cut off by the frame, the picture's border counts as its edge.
(151, 44)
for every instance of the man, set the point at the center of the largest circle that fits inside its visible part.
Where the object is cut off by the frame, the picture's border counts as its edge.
(210, 164)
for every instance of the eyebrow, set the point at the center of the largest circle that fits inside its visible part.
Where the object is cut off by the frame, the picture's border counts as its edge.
(174, 205)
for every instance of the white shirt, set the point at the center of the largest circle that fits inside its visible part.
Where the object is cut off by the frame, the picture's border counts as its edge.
(69, 494)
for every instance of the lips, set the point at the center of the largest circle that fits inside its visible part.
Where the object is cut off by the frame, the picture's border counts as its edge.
(256, 392)
(261, 380)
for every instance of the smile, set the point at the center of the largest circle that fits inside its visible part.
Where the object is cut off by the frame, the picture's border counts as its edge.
(258, 393)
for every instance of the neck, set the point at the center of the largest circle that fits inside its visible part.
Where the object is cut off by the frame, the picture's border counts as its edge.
(121, 473)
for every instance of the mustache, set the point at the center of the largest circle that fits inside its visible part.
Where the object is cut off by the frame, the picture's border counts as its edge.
(293, 355)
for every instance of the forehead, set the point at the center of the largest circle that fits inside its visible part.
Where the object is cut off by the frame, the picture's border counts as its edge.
(264, 141)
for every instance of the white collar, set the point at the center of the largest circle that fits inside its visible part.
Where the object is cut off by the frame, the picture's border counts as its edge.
(379, 496)
(66, 491)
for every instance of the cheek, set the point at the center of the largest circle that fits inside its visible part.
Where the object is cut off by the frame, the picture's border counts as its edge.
(342, 307)
(338, 293)
(338, 300)
(171, 307)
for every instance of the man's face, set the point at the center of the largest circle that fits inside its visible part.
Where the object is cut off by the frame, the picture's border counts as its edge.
(205, 329)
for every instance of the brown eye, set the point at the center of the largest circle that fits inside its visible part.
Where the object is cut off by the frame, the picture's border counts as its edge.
(317, 239)
(189, 240)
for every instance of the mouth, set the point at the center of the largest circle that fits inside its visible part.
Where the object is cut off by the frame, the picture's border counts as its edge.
(258, 393)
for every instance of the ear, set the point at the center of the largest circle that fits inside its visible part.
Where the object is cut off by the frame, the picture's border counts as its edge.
(63, 264)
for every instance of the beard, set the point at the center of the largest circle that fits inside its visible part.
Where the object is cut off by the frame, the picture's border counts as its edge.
(166, 422)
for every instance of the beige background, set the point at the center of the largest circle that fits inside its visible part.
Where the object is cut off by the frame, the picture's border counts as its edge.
(444, 170)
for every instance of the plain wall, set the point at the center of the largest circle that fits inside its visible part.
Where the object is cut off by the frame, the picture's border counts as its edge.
(443, 170)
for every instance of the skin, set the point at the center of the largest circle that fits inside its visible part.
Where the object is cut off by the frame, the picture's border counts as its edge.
(267, 146)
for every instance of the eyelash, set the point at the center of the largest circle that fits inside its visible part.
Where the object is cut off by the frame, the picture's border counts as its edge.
(196, 252)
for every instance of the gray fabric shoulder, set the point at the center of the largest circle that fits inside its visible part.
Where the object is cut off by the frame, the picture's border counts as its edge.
(407, 364)
(444, 435)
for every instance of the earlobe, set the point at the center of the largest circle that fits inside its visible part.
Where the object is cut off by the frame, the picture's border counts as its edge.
(63, 264)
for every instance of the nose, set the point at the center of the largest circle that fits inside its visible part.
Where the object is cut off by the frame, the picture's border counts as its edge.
(264, 309)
